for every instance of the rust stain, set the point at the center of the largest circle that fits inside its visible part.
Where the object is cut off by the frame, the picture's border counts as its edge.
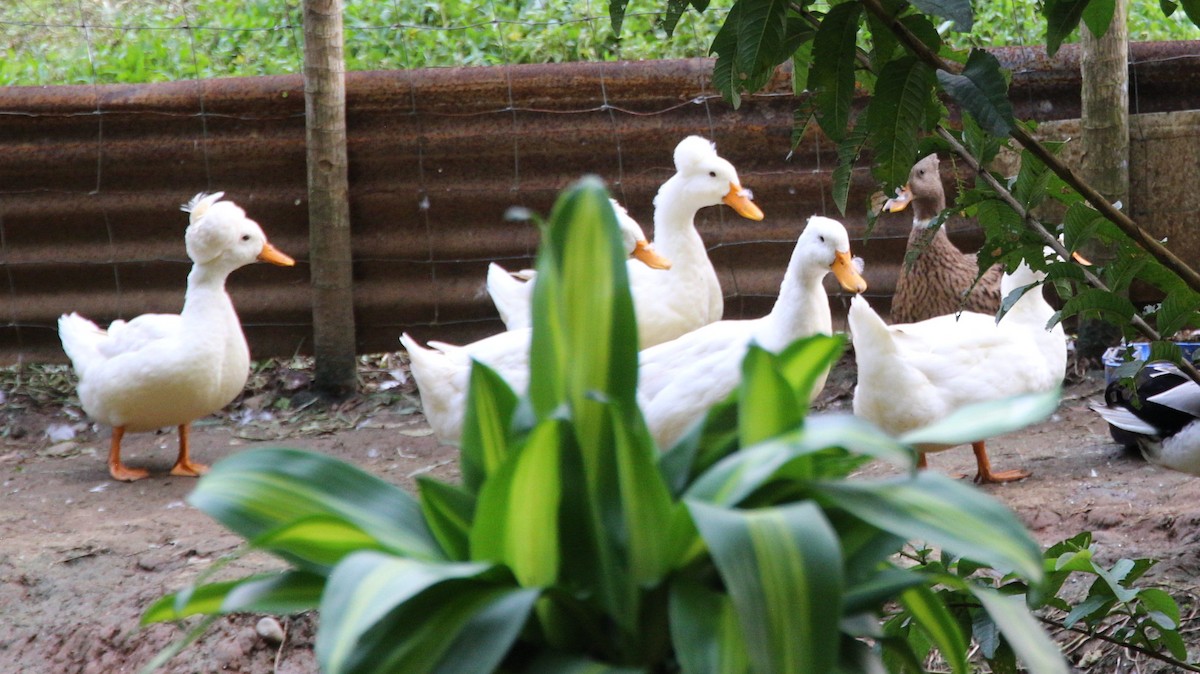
(93, 178)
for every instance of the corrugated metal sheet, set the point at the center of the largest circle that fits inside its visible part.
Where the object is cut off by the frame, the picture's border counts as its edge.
(93, 176)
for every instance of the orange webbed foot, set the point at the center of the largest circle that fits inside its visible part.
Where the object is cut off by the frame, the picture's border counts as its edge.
(1002, 476)
(189, 469)
(126, 474)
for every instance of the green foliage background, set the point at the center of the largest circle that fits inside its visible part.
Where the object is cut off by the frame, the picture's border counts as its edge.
(52, 42)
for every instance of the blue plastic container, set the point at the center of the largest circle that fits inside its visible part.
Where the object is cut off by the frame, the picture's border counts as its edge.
(1115, 356)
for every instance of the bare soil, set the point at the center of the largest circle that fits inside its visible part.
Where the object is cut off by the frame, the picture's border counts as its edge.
(82, 556)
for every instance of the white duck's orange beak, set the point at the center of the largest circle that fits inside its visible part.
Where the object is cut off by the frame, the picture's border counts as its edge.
(900, 201)
(275, 256)
(739, 200)
(644, 252)
(843, 269)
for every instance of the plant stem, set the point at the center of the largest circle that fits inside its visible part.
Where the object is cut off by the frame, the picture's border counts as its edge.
(1116, 642)
(1122, 221)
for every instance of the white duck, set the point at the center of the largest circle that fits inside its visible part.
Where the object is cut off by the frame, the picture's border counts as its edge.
(911, 375)
(162, 370)
(681, 379)
(512, 292)
(688, 295)
(1163, 413)
(443, 371)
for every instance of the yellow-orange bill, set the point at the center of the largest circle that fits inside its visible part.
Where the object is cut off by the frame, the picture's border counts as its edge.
(275, 256)
(900, 201)
(843, 269)
(739, 200)
(644, 252)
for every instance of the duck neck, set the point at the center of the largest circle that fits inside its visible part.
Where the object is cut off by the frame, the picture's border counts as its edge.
(675, 234)
(1033, 305)
(206, 304)
(926, 208)
(802, 308)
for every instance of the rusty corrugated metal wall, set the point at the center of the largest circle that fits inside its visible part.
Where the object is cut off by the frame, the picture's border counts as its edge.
(92, 179)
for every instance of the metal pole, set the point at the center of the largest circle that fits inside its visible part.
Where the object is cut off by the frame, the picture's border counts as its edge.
(328, 198)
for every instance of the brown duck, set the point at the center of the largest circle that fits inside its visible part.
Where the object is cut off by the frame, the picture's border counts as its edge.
(939, 280)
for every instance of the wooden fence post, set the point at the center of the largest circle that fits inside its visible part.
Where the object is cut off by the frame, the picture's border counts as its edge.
(328, 198)
(1104, 68)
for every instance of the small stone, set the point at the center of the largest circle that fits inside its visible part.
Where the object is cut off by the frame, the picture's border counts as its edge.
(61, 449)
(270, 630)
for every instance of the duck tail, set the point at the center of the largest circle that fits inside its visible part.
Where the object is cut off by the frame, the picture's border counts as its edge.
(1124, 419)
(81, 341)
(869, 334)
(510, 295)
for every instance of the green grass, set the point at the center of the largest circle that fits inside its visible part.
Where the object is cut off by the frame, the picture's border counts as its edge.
(104, 41)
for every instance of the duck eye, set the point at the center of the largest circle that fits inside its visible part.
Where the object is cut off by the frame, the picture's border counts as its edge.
(245, 237)
(822, 238)
(712, 174)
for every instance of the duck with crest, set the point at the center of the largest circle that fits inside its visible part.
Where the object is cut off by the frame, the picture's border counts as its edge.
(936, 278)
(688, 295)
(160, 370)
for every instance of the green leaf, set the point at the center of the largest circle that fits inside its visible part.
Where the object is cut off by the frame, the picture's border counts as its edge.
(1079, 226)
(449, 511)
(986, 420)
(1192, 9)
(260, 490)
(782, 567)
(1062, 16)
(1024, 634)
(1168, 7)
(616, 14)
(982, 91)
(933, 508)
(1163, 604)
(389, 614)
(584, 334)
(848, 151)
(705, 630)
(564, 663)
(881, 587)
(1032, 179)
(490, 406)
(1091, 302)
(832, 72)
(1178, 310)
(958, 11)
(766, 404)
(516, 521)
(317, 542)
(285, 592)
(755, 37)
(806, 361)
(738, 475)
(894, 116)
(643, 519)
(930, 613)
(1098, 15)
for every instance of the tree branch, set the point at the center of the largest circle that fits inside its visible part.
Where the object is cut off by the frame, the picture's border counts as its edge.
(1021, 135)
(1116, 642)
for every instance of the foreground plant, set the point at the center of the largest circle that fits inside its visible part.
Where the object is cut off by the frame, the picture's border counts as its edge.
(1116, 609)
(574, 544)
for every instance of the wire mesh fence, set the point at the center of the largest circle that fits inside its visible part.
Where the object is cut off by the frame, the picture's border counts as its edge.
(95, 172)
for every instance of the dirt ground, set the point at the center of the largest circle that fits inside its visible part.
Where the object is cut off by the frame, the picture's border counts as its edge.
(81, 556)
